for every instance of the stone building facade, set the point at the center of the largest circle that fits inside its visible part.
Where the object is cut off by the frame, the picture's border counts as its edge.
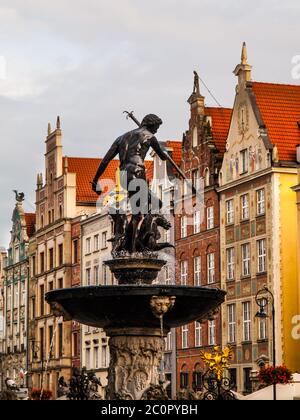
(198, 232)
(15, 291)
(259, 223)
(96, 231)
(3, 256)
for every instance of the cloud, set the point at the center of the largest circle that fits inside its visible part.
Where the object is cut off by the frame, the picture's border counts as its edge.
(89, 60)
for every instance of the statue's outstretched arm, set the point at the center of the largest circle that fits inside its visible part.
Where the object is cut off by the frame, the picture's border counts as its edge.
(110, 155)
(157, 148)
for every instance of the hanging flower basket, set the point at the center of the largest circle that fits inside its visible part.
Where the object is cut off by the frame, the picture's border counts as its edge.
(36, 394)
(271, 375)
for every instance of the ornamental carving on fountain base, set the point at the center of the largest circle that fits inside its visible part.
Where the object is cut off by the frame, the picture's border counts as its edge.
(134, 365)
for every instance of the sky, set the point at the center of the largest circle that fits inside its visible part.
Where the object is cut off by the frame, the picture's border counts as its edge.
(89, 60)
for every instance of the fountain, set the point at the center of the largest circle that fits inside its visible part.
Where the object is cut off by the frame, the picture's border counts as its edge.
(136, 314)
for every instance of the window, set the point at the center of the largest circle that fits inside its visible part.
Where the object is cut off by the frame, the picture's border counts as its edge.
(17, 254)
(247, 321)
(75, 345)
(231, 323)
(210, 218)
(183, 226)
(263, 326)
(33, 307)
(88, 246)
(60, 254)
(260, 198)
(167, 275)
(42, 262)
(60, 340)
(75, 252)
(33, 266)
(197, 271)
(42, 299)
(211, 268)
(262, 256)
(104, 240)
(185, 337)
(96, 357)
(96, 243)
(16, 295)
(104, 275)
(196, 179)
(197, 222)
(88, 359)
(230, 212)
(50, 287)
(88, 276)
(245, 207)
(96, 275)
(51, 259)
(247, 381)
(211, 333)
(50, 336)
(245, 161)
(183, 272)
(246, 260)
(230, 263)
(104, 356)
(9, 298)
(61, 214)
(197, 381)
(42, 344)
(198, 334)
(60, 283)
(169, 342)
(233, 377)
(195, 137)
(184, 380)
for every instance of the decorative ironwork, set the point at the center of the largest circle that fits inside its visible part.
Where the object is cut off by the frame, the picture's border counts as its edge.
(216, 385)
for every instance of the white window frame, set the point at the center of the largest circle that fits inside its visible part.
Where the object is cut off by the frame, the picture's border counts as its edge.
(197, 222)
(183, 272)
(96, 243)
(198, 334)
(104, 240)
(245, 207)
(231, 323)
(88, 246)
(185, 336)
(210, 218)
(96, 275)
(88, 276)
(230, 258)
(96, 357)
(247, 321)
(230, 212)
(212, 333)
(261, 202)
(211, 268)
(167, 275)
(183, 227)
(245, 161)
(246, 260)
(104, 275)
(262, 256)
(197, 271)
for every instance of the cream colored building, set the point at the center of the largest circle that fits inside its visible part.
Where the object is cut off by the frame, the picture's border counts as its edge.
(64, 195)
(96, 230)
(3, 256)
(259, 224)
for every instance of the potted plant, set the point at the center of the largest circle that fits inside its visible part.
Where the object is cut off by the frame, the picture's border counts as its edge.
(271, 375)
(37, 394)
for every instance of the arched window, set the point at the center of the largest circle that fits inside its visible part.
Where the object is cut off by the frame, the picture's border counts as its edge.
(195, 137)
(184, 377)
(197, 378)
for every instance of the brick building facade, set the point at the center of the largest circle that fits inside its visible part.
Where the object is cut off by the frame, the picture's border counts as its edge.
(198, 235)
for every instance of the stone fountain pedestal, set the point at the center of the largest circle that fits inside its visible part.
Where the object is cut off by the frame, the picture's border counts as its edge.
(136, 317)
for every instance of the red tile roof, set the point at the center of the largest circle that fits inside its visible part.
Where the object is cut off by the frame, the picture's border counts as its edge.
(177, 150)
(221, 119)
(85, 169)
(279, 106)
(30, 223)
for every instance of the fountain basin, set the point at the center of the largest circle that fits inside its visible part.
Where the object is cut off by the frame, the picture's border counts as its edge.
(111, 307)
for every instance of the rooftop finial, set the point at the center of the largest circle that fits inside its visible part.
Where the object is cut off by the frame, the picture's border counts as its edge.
(244, 58)
(196, 89)
(49, 129)
(58, 123)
